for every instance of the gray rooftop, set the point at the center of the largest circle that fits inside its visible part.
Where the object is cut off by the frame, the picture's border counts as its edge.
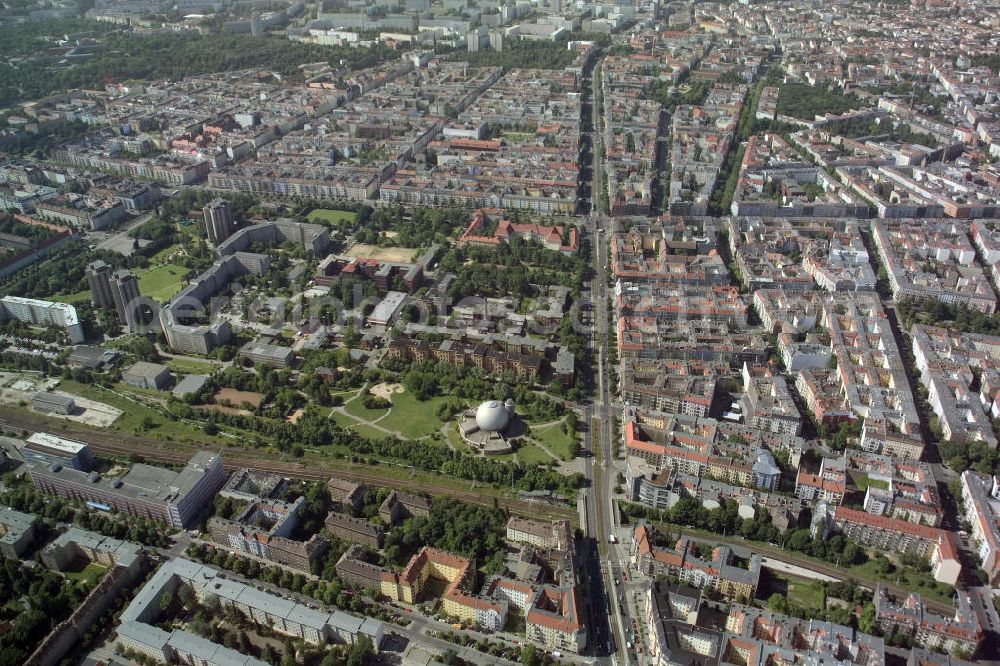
(190, 384)
(142, 481)
(207, 580)
(145, 369)
(15, 523)
(125, 552)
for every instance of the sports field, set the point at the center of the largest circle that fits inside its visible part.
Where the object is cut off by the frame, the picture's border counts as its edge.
(330, 216)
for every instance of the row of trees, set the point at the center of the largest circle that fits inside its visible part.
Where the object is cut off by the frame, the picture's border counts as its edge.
(11, 225)
(726, 520)
(23, 496)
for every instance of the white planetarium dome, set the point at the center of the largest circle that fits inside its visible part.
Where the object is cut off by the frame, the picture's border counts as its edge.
(491, 416)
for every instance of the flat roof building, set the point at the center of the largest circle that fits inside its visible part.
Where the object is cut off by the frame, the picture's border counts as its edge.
(387, 309)
(92, 358)
(43, 313)
(46, 448)
(17, 531)
(143, 374)
(136, 631)
(265, 353)
(189, 384)
(53, 403)
(107, 551)
(177, 498)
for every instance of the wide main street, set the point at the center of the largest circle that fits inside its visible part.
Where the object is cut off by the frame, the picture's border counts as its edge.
(603, 566)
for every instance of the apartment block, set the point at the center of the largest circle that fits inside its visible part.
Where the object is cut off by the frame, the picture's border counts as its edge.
(961, 631)
(557, 535)
(399, 506)
(980, 496)
(43, 313)
(933, 260)
(697, 564)
(17, 531)
(356, 530)
(431, 564)
(701, 447)
(265, 529)
(902, 536)
(137, 631)
(948, 363)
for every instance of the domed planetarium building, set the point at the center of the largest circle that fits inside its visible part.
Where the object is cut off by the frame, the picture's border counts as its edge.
(490, 427)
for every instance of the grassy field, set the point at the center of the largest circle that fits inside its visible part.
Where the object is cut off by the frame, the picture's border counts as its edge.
(329, 216)
(161, 282)
(454, 437)
(862, 481)
(412, 417)
(532, 454)
(358, 409)
(345, 421)
(808, 595)
(191, 366)
(554, 439)
(72, 299)
(917, 581)
(91, 573)
(165, 255)
(133, 414)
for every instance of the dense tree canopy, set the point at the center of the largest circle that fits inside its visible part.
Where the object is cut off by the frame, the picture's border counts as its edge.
(126, 57)
(801, 100)
(469, 530)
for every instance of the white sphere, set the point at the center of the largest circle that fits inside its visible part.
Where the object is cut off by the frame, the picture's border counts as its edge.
(491, 416)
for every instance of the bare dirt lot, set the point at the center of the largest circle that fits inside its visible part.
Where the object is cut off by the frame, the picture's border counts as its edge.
(230, 401)
(20, 388)
(397, 254)
(384, 390)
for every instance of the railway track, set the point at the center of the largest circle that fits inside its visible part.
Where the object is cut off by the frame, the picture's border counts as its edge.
(116, 445)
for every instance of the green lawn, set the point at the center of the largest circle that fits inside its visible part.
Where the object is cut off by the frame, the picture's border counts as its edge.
(329, 216)
(807, 594)
(163, 256)
(72, 299)
(862, 481)
(916, 581)
(191, 366)
(554, 439)
(345, 421)
(357, 408)
(412, 417)
(455, 438)
(91, 573)
(161, 282)
(532, 454)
